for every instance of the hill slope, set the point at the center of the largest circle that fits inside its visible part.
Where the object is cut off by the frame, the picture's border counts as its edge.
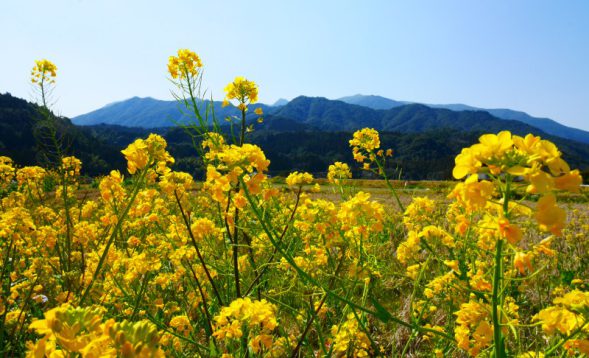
(545, 124)
(153, 113)
(330, 115)
(17, 141)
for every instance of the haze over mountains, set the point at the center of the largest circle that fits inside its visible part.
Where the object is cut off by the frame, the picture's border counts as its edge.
(345, 114)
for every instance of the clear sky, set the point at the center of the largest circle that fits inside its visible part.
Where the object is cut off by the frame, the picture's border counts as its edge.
(526, 55)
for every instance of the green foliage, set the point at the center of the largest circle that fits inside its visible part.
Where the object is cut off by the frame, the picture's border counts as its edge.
(19, 121)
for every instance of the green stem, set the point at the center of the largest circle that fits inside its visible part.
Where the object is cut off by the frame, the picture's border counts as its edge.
(497, 335)
(235, 247)
(200, 258)
(204, 300)
(389, 185)
(235, 250)
(193, 100)
(242, 137)
(140, 295)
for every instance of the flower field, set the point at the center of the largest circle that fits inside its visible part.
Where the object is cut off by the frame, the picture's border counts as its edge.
(156, 264)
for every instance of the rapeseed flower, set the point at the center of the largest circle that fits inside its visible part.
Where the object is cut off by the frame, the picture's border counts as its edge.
(44, 71)
(242, 90)
(185, 64)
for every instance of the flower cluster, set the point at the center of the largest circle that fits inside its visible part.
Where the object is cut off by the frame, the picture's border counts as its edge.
(570, 313)
(229, 164)
(44, 71)
(67, 330)
(71, 167)
(298, 179)
(337, 172)
(146, 153)
(258, 317)
(186, 63)
(474, 331)
(242, 90)
(349, 340)
(365, 144)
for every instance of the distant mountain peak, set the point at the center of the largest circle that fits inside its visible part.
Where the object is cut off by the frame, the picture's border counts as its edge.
(372, 101)
(280, 102)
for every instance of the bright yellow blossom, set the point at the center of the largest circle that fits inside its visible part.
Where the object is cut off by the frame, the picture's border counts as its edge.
(297, 179)
(187, 63)
(242, 90)
(337, 172)
(44, 71)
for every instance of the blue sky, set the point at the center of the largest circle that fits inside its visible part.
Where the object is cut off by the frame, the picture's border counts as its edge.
(526, 55)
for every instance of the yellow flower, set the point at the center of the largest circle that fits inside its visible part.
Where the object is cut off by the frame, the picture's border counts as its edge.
(72, 328)
(466, 163)
(349, 335)
(187, 63)
(148, 152)
(43, 71)
(136, 155)
(296, 179)
(527, 144)
(555, 318)
(366, 139)
(242, 90)
(576, 300)
(540, 182)
(473, 194)
(570, 182)
(494, 145)
(258, 315)
(181, 324)
(131, 339)
(522, 261)
(580, 345)
(233, 162)
(204, 228)
(71, 166)
(549, 216)
(259, 111)
(473, 331)
(511, 232)
(409, 248)
(338, 171)
(531, 355)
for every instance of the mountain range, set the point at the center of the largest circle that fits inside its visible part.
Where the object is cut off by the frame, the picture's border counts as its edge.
(305, 134)
(548, 125)
(347, 113)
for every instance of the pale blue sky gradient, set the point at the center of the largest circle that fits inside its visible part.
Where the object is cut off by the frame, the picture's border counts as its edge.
(525, 55)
